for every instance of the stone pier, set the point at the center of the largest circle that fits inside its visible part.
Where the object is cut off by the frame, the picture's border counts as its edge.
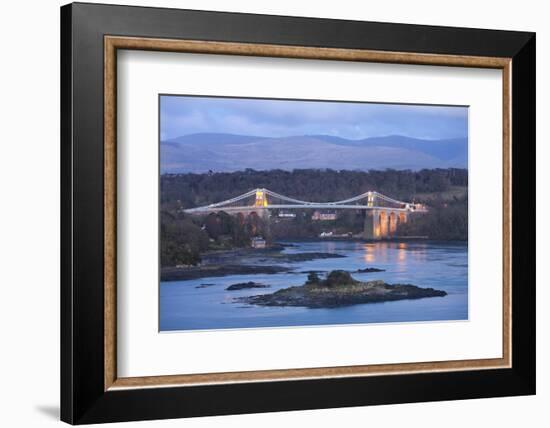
(382, 224)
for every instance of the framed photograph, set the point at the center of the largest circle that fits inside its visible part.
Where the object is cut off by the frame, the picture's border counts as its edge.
(266, 213)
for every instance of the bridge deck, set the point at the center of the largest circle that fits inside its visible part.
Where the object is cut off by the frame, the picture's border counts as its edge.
(262, 203)
(289, 206)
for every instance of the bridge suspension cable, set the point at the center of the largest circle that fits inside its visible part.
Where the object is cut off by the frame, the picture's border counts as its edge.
(297, 203)
(232, 200)
(365, 195)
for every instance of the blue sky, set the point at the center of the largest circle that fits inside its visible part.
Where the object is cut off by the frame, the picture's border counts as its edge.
(183, 115)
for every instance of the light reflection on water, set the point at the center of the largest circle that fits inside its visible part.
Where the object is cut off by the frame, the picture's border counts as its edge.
(442, 266)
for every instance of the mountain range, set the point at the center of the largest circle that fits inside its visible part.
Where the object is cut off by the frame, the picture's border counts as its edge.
(229, 152)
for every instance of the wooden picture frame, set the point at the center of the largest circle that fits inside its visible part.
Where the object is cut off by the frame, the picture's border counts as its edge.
(91, 390)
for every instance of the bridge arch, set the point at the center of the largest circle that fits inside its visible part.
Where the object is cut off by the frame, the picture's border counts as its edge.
(383, 223)
(392, 222)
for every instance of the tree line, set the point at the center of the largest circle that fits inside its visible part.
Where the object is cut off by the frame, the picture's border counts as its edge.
(190, 190)
(447, 219)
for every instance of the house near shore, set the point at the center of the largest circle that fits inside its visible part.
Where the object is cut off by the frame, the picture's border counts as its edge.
(321, 216)
(285, 214)
(257, 242)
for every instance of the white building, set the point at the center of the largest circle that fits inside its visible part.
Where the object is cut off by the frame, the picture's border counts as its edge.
(257, 242)
(319, 216)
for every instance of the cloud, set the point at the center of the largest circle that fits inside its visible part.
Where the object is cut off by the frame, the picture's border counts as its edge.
(183, 115)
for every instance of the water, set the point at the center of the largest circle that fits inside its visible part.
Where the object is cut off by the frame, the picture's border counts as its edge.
(443, 266)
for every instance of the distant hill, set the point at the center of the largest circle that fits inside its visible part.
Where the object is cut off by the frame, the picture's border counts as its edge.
(229, 152)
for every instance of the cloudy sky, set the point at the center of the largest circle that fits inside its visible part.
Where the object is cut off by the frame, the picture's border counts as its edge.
(183, 115)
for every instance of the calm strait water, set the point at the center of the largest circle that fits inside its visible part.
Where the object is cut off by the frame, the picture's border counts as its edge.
(443, 266)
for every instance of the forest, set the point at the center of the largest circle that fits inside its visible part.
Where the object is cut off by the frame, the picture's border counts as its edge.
(189, 190)
(184, 237)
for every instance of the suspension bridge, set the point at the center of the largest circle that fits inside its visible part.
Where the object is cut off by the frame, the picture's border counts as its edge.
(382, 213)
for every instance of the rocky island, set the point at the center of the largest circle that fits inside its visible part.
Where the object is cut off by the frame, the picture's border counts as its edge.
(340, 289)
(246, 285)
(370, 270)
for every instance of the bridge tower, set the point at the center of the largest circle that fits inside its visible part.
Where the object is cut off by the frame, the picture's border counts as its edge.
(261, 198)
(370, 199)
(261, 202)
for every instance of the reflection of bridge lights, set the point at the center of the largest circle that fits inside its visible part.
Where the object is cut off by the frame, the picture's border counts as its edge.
(369, 253)
(378, 253)
(401, 252)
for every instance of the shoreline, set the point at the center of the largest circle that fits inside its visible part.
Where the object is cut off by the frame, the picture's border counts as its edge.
(242, 261)
(270, 260)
